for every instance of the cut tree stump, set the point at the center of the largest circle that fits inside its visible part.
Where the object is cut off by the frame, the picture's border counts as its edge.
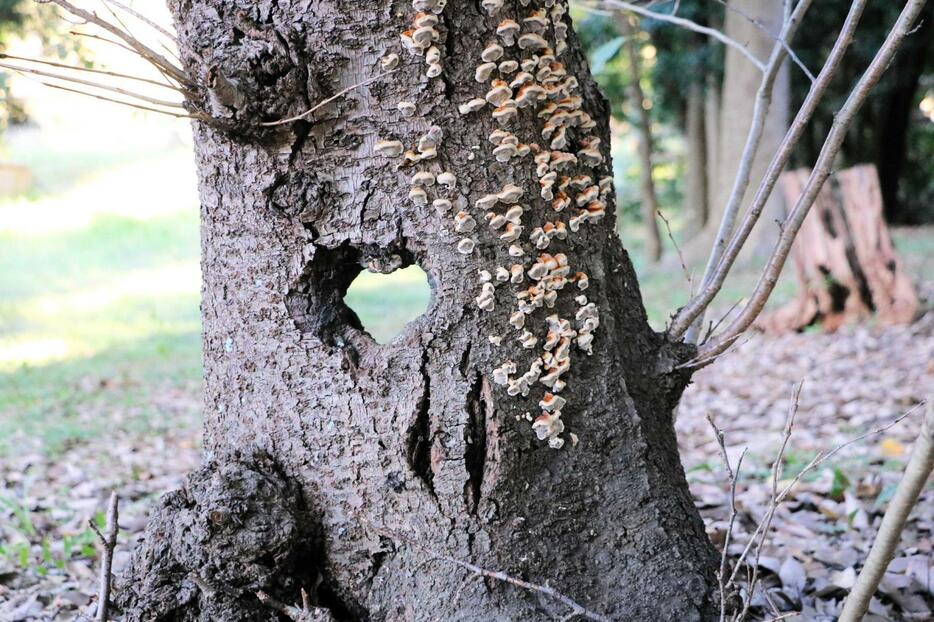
(846, 265)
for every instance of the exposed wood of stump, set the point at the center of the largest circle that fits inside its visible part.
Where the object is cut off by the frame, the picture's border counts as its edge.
(846, 265)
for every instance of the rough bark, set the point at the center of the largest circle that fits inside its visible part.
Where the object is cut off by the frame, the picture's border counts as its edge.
(846, 266)
(695, 187)
(326, 451)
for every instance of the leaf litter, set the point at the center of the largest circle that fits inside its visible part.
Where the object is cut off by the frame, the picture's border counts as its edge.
(855, 380)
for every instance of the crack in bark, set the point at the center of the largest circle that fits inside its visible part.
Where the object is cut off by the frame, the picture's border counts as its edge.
(419, 435)
(475, 433)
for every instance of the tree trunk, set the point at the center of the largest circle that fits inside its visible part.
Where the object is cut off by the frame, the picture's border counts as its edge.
(712, 138)
(740, 83)
(344, 466)
(695, 190)
(846, 265)
(898, 106)
(653, 241)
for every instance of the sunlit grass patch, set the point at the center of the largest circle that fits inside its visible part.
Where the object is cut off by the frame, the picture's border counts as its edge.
(385, 303)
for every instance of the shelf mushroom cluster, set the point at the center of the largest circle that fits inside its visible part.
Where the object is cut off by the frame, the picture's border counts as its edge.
(420, 40)
(522, 75)
(522, 78)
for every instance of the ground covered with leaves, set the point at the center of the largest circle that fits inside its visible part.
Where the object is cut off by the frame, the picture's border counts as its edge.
(856, 381)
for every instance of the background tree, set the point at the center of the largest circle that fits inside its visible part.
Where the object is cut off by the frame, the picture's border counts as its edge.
(638, 102)
(891, 131)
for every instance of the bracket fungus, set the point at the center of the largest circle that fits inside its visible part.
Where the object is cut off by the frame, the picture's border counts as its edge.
(508, 29)
(389, 148)
(389, 62)
(465, 246)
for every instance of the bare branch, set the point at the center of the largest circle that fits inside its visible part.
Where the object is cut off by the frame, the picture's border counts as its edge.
(777, 470)
(108, 541)
(103, 72)
(906, 495)
(684, 266)
(97, 85)
(146, 52)
(815, 462)
(90, 35)
(821, 171)
(697, 305)
(123, 7)
(713, 33)
(732, 478)
(744, 172)
(119, 101)
(761, 28)
(327, 101)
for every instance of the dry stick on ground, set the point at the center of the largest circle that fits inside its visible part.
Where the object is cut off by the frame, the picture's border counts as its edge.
(821, 171)
(108, 541)
(156, 59)
(577, 610)
(698, 304)
(883, 548)
(732, 477)
(760, 111)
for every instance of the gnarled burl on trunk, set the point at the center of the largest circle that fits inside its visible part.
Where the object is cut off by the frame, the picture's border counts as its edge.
(522, 423)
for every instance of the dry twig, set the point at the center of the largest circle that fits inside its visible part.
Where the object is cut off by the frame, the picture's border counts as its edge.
(154, 58)
(684, 266)
(327, 101)
(97, 85)
(129, 10)
(760, 534)
(906, 495)
(713, 33)
(103, 72)
(732, 477)
(119, 101)
(108, 541)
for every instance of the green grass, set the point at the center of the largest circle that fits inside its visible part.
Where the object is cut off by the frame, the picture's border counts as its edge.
(385, 303)
(98, 302)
